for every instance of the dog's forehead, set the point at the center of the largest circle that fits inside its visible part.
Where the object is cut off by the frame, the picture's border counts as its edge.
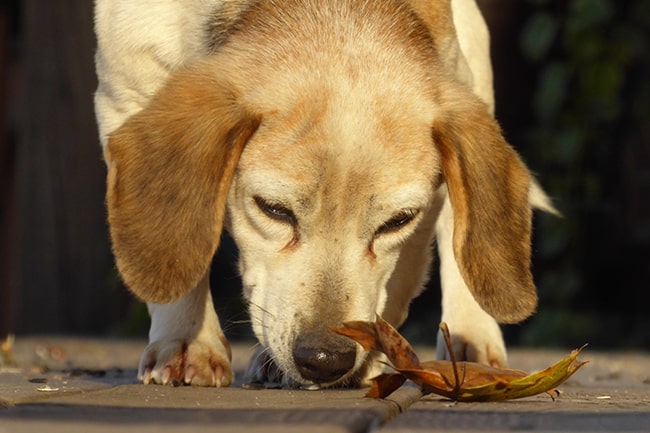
(286, 51)
(344, 105)
(341, 151)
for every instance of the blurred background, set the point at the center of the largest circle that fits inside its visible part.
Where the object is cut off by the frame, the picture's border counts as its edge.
(572, 82)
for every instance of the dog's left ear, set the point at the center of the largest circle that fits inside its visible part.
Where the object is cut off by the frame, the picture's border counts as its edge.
(170, 168)
(488, 187)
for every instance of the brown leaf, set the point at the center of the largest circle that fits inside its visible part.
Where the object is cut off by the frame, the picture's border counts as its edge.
(385, 384)
(460, 381)
(381, 337)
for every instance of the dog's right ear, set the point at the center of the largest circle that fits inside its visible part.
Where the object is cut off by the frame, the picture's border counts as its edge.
(169, 171)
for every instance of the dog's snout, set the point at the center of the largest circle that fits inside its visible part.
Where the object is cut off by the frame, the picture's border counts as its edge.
(321, 365)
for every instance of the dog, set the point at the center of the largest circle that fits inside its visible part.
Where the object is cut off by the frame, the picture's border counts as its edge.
(337, 141)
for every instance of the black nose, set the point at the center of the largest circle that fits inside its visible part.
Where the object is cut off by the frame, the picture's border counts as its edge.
(321, 365)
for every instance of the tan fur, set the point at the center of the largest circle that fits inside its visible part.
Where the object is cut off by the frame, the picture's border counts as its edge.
(169, 172)
(488, 186)
(307, 128)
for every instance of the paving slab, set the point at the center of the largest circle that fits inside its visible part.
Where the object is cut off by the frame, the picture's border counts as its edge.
(576, 411)
(70, 385)
(155, 408)
(59, 387)
(609, 394)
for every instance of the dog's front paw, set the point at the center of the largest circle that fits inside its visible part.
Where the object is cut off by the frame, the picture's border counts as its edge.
(263, 372)
(474, 340)
(189, 362)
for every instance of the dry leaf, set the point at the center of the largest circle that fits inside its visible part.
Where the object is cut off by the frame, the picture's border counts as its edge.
(459, 381)
(6, 354)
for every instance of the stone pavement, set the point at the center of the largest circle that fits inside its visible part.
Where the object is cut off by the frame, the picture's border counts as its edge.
(74, 385)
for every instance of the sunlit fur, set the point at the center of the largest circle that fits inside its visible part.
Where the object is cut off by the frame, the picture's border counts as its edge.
(344, 115)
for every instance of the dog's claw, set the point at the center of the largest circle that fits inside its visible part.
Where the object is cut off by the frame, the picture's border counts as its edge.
(220, 376)
(146, 376)
(166, 376)
(189, 375)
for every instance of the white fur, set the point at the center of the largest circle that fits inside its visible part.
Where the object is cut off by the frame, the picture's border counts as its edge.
(191, 316)
(476, 335)
(474, 40)
(138, 44)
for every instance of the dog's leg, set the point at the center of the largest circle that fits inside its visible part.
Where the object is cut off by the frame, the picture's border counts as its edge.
(475, 335)
(186, 343)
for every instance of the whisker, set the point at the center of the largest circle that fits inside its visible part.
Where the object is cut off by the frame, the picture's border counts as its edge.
(262, 309)
(259, 307)
(256, 345)
(260, 323)
(240, 322)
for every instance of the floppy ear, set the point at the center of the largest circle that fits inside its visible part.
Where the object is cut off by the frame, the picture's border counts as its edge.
(170, 168)
(488, 187)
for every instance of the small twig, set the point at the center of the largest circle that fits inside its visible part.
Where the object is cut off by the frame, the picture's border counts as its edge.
(445, 333)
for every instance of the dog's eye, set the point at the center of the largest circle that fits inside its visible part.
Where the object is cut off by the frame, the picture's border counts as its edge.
(275, 210)
(399, 220)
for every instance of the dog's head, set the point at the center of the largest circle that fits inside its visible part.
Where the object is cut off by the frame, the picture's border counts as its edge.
(321, 136)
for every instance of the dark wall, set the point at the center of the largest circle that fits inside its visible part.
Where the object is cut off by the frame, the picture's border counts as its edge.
(57, 273)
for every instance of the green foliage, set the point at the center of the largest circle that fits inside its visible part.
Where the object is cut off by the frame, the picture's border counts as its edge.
(591, 97)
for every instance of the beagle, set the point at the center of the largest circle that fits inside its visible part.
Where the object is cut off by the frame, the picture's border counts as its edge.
(336, 140)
